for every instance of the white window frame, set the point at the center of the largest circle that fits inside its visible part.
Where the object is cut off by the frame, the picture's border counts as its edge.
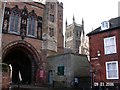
(105, 25)
(108, 45)
(107, 76)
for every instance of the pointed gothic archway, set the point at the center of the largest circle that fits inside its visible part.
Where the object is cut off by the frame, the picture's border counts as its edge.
(24, 59)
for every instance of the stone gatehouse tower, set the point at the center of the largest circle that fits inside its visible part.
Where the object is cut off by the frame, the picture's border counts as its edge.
(53, 28)
(22, 39)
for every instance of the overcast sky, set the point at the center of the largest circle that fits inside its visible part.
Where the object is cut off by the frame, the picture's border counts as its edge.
(92, 11)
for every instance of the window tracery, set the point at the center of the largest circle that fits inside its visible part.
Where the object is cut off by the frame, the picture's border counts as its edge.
(14, 21)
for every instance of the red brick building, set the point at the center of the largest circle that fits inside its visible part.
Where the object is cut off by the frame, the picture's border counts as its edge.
(21, 40)
(22, 32)
(105, 54)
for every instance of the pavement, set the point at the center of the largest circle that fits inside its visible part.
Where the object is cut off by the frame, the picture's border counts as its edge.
(26, 87)
(30, 87)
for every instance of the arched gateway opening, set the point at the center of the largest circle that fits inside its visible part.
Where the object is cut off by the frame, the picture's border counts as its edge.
(22, 59)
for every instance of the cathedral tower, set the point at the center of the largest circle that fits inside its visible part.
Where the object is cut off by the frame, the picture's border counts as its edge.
(74, 37)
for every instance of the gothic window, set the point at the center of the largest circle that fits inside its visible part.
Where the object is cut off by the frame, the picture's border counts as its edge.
(14, 22)
(31, 26)
(51, 32)
(52, 7)
(51, 18)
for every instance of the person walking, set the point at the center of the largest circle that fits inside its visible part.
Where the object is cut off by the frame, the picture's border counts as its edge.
(76, 82)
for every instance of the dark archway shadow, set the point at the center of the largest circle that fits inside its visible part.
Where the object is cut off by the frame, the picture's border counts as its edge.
(21, 64)
(24, 59)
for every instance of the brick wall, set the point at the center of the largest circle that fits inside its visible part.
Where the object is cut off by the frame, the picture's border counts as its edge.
(96, 42)
(8, 38)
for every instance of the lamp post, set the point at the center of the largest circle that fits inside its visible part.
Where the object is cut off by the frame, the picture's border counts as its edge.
(92, 73)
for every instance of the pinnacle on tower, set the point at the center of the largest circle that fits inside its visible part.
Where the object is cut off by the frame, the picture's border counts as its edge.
(73, 18)
(66, 23)
(83, 26)
(82, 21)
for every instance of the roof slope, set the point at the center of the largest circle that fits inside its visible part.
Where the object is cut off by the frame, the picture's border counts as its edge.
(114, 23)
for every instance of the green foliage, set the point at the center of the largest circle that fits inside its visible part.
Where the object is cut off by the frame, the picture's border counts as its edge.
(4, 67)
